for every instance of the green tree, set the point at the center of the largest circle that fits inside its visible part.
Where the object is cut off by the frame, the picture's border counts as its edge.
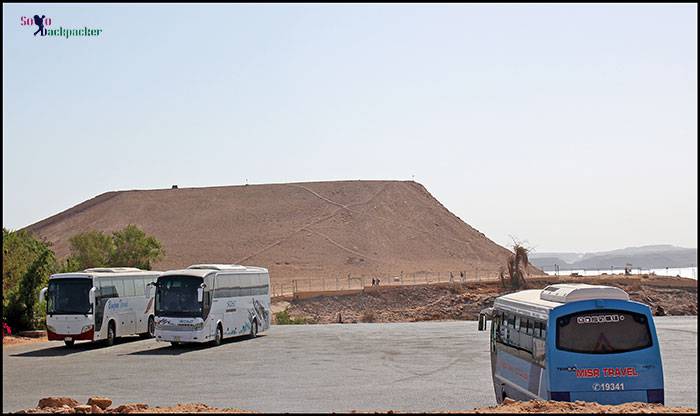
(133, 248)
(128, 247)
(90, 249)
(19, 250)
(27, 264)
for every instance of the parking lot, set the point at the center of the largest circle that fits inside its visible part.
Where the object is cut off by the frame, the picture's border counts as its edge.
(422, 366)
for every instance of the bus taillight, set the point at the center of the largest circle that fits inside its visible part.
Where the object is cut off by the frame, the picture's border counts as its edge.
(655, 396)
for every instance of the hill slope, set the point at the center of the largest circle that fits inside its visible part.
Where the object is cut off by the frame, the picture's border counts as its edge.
(298, 230)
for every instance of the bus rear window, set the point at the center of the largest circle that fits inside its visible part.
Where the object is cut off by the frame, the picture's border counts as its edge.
(603, 332)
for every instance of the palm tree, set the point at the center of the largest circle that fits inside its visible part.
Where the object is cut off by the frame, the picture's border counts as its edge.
(517, 267)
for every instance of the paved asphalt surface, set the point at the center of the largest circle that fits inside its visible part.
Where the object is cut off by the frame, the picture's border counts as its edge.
(422, 366)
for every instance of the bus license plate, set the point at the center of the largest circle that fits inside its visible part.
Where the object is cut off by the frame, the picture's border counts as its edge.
(608, 386)
(177, 339)
(69, 339)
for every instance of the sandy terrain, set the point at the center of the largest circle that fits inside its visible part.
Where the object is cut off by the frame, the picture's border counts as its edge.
(68, 405)
(464, 301)
(297, 231)
(539, 406)
(13, 340)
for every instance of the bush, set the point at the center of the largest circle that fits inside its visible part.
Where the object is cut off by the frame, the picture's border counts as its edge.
(368, 316)
(283, 318)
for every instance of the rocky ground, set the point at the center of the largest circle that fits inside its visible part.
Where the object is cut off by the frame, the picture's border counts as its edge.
(542, 406)
(463, 301)
(102, 405)
(15, 340)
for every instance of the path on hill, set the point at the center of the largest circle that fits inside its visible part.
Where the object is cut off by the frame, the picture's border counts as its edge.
(316, 221)
(379, 217)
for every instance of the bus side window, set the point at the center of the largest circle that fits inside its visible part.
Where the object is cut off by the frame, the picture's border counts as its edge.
(140, 289)
(118, 287)
(544, 330)
(128, 287)
(517, 323)
(529, 327)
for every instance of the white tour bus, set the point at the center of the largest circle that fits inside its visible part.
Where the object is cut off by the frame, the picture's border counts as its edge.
(99, 304)
(210, 302)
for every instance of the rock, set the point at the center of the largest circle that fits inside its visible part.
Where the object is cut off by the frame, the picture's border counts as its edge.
(507, 401)
(130, 408)
(96, 409)
(57, 402)
(101, 402)
(83, 408)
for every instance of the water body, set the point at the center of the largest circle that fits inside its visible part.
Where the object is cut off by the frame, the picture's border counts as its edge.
(690, 272)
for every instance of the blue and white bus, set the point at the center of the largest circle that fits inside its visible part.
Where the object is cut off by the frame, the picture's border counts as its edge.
(571, 342)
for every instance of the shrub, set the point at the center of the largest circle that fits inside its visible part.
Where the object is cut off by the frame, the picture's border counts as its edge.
(283, 318)
(368, 316)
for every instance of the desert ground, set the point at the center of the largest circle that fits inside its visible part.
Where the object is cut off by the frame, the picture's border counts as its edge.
(463, 301)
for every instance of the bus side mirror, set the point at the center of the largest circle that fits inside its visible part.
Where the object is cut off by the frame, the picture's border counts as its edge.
(200, 294)
(42, 294)
(482, 322)
(92, 295)
(149, 288)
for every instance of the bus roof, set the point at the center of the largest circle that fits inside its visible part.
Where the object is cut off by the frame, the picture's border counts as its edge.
(100, 272)
(224, 267)
(538, 303)
(201, 270)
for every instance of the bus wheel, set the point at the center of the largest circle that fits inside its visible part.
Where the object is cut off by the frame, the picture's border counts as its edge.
(219, 335)
(254, 330)
(110, 334)
(151, 327)
(69, 343)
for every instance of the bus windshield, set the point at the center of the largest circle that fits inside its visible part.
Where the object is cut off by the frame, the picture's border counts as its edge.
(69, 296)
(603, 332)
(176, 296)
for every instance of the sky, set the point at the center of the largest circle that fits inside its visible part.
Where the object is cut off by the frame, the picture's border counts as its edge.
(567, 127)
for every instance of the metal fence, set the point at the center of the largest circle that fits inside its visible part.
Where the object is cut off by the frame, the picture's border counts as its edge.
(350, 282)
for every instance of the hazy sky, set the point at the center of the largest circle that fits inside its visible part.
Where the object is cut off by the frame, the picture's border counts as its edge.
(571, 127)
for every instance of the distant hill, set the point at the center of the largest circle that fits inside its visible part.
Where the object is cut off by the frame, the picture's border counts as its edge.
(646, 257)
(297, 230)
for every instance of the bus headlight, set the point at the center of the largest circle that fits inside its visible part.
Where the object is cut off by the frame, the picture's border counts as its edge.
(86, 328)
(199, 326)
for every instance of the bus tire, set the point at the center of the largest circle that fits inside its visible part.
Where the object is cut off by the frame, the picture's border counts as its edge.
(111, 335)
(69, 343)
(219, 336)
(151, 329)
(253, 329)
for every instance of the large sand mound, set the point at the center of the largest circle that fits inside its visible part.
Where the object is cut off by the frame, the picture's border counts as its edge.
(299, 230)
